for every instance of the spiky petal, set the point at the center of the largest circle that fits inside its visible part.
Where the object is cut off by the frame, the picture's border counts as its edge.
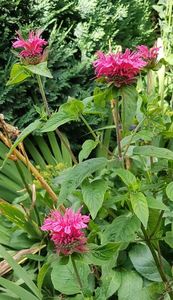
(118, 68)
(150, 55)
(32, 47)
(66, 230)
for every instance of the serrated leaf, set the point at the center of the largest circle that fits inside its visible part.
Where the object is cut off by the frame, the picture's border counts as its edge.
(123, 229)
(105, 252)
(127, 177)
(39, 69)
(18, 74)
(93, 195)
(169, 191)
(153, 152)
(75, 176)
(69, 111)
(87, 148)
(140, 207)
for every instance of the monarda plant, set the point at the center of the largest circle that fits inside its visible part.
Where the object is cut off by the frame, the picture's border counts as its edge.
(119, 244)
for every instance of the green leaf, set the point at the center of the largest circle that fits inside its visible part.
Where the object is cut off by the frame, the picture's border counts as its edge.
(127, 177)
(110, 283)
(155, 203)
(56, 120)
(73, 107)
(169, 191)
(144, 263)
(64, 278)
(122, 229)
(129, 105)
(169, 238)
(103, 253)
(93, 195)
(18, 74)
(69, 111)
(28, 130)
(7, 297)
(140, 207)
(16, 216)
(153, 152)
(41, 275)
(169, 59)
(87, 148)
(131, 285)
(39, 69)
(21, 273)
(17, 290)
(75, 176)
(13, 213)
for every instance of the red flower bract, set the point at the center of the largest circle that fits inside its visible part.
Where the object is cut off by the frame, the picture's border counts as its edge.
(120, 68)
(33, 47)
(65, 231)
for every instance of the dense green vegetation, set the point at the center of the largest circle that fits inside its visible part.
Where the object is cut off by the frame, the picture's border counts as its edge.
(76, 30)
(86, 185)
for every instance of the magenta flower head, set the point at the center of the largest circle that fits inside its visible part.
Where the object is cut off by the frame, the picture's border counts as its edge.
(66, 231)
(148, 55)
(119, 68)
(32, 52)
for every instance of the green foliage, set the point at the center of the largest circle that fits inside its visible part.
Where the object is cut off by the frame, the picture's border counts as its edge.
(93, 195)
(74, 177)
(67, 283)
(128, 197)
(21, 274)
(77, 29)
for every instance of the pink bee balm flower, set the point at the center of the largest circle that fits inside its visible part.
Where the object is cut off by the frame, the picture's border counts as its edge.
(33, 47)
(66, 231)
(149, 55)
(120, 68)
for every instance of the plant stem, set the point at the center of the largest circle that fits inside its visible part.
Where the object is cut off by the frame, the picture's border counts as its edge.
(157, 224)
(46, 106)
(43, 94)
(114, 107)
(94, 135)
(107, 134)
(158, 263)
(132, 136)
(77, 273)
(89, 127)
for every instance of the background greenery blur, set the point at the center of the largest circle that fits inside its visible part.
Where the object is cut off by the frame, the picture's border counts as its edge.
(76, 30)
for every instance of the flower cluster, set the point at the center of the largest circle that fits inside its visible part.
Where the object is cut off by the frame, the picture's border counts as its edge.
(148, 55)
(122, 68)
(33, 47)
(66, 231)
